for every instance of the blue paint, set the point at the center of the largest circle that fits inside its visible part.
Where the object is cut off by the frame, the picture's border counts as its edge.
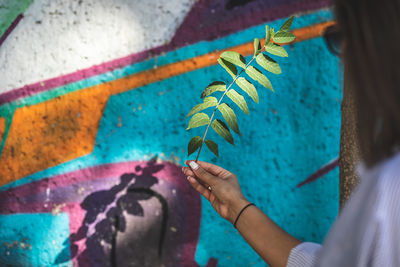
(173, 56)
(177, 55)
(287, 136)
(34, 240)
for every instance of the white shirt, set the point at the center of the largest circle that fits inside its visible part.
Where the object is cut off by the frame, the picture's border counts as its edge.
(367, 232)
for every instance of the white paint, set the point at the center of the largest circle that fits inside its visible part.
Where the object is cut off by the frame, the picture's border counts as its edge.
(77, 34)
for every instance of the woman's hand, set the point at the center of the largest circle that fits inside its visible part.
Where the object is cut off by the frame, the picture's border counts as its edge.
(218, 186)
(271, 242)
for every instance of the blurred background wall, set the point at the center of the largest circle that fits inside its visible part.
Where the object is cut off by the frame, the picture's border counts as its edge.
(93, 99)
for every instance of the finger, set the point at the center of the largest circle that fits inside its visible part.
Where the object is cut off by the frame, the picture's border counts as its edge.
(187, 171)
(199, 188)
(203, 175)
(213, 169)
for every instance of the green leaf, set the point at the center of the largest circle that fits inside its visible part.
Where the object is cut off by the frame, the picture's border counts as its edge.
(213, 87)
(212, 146)
(198, 120)
(257, 46)
(267, 35)
(239, 100)
(229, 116)
(229, 67)
(234, 58)
(287, 24)
(268, 63)
(276, 50)
(283, 37)
(223, 130)
(272, 32)
(194, 144)
(257, 75)
(208, 102)
(248, 87)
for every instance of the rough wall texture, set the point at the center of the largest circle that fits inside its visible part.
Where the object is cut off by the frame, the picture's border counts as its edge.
(90, 155)
(350, 152)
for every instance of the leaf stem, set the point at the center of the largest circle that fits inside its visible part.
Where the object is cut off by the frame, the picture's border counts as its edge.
(216, 107)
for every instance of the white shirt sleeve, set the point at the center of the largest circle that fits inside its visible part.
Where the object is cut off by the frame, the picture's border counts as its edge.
(366, 232)
(304, 254)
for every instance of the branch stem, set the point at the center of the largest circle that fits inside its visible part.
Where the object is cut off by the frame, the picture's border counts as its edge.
(216, 107)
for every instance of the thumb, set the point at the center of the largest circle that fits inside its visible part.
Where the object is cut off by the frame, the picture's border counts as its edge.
(203, 175)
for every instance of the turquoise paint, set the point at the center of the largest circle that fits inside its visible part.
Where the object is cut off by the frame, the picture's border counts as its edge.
(34, 239)
(276, 151)
(8, 114)
(200, 48)
(170, 57)
(287, 136)
(9, 10)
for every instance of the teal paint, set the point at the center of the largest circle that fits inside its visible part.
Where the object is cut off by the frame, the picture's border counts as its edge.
(34, 239)
(276, 151)
(171, 57)
(9, 10)
(286, 137)
(183, 53)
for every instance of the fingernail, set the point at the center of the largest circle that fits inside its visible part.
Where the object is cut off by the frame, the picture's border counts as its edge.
(193, 165)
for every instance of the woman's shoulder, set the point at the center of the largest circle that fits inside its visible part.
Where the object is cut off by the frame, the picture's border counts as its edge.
(386, 178)
(387, 173)
(367, 225)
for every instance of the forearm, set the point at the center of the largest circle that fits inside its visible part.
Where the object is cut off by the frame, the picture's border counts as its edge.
(270, 241)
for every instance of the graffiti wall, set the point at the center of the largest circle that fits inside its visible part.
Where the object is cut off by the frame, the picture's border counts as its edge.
(93, 99)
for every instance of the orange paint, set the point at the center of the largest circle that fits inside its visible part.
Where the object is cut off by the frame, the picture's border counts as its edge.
(312, 31)
(167, 71)
(51, 133)
(64, 128)
(2, 128)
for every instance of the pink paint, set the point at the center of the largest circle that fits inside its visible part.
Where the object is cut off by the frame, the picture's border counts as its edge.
(192, 30)
(76, 215)
(79, 75)
(320, 172)
(209, 19)
(17, 200)
(88, 174)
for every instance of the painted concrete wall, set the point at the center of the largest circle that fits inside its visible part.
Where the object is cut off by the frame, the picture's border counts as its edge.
(91, 148)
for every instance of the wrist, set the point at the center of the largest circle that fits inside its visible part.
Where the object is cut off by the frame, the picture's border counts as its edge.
(235, 208)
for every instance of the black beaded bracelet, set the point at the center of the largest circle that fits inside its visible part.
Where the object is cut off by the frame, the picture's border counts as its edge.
(240, 213)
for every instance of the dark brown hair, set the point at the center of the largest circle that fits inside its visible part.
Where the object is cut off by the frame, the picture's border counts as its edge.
(371, 54)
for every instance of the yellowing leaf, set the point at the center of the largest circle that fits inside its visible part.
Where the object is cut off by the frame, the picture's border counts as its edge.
(239, 100)
(223, 130)
(248, 88)
(229, 116)
(234, 58)
(257, 75)
(208, 102)
(276, 50)
(213, 87)
(198, 120)
(194, 144)
(229, 67)
(283, 37)
(212, 146)
(268, 64)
